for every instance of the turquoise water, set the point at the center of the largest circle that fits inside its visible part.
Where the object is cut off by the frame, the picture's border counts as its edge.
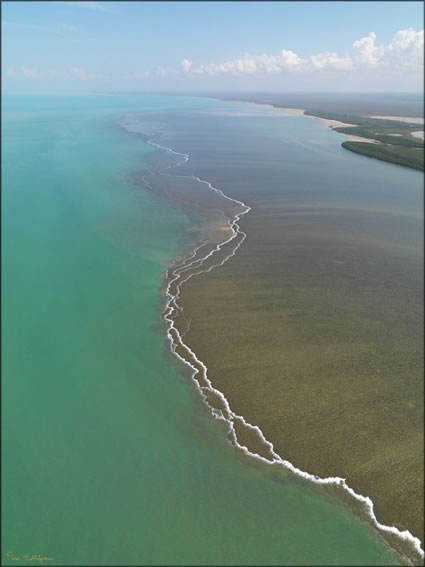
(109, 457)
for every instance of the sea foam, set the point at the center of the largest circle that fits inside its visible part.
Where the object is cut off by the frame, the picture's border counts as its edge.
(175, 277)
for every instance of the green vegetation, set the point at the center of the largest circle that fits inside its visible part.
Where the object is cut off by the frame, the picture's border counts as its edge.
(396, 139)
(386, 126)
(397, 144)
(410, 157)
(363, 104)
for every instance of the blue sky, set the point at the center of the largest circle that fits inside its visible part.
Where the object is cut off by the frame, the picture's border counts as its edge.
(315, 46)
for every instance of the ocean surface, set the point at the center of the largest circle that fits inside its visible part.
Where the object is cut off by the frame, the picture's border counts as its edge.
(109, 455)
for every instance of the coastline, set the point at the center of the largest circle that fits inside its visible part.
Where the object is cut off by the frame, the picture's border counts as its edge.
(196, 263)
(331, 124)
(399, 118)
(383, 149)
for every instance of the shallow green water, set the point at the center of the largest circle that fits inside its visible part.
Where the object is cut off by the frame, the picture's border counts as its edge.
(108, 455)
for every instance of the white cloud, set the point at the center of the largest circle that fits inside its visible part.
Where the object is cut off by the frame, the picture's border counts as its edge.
(404, 39)
(330, 60)
(367, 52)
(404, 52)
(406, 49)
(186, 64)
(286, 60)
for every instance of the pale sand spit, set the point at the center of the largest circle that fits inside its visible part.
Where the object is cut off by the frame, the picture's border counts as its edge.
(400, 118)
(301, 112)
(332, 124)
(359, 138)
(295, 111)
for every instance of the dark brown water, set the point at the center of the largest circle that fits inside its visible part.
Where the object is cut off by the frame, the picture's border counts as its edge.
(314, 330)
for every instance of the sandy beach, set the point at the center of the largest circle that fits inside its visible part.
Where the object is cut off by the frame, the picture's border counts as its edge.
(332, 124)
(294, 111)
(358, 138)
(400, 119)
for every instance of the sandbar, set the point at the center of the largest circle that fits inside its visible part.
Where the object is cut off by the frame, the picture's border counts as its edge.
(411, 120)
(332, 124)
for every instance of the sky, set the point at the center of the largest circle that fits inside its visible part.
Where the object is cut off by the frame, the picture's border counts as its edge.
(97, 46)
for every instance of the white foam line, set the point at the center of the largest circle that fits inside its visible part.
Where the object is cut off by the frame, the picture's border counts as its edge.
(176, 340)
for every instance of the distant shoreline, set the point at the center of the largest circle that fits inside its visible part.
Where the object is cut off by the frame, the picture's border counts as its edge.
(400, 118)
(331, 124)
(399, 148)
